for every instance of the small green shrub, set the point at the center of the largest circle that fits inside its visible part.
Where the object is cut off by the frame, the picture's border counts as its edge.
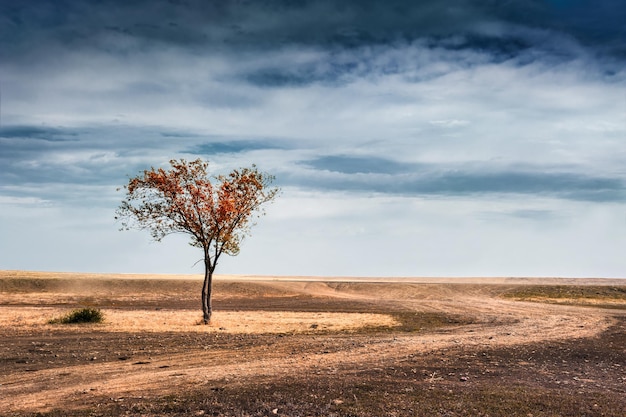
(83, 315)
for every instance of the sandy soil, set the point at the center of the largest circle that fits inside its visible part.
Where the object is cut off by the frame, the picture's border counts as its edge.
(304, 332)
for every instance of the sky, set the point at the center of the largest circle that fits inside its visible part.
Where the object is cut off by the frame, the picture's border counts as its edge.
(409, 138)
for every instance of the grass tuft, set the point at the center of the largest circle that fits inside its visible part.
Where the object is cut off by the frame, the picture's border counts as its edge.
(83, 315)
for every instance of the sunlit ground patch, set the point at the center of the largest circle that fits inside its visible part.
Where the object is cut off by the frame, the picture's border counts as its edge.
(28, 319)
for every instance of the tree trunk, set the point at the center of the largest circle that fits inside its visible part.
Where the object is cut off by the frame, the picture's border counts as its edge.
(207, 308)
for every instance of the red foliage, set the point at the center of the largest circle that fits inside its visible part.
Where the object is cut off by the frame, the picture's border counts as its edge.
(184, 199)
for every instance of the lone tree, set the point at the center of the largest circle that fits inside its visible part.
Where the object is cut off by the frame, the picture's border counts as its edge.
(215, 211)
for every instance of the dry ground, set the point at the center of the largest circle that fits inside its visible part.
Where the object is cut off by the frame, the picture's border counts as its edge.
(313, 347)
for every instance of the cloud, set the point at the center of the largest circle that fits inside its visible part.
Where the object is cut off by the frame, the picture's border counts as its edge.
(233, 146)
(22, 201)
(533, 214)
(50, 161)
(359, 165)
(37, 132)
(116, 26)
(372, 174)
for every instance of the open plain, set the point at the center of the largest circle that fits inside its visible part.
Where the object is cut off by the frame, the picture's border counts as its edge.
(305, 346)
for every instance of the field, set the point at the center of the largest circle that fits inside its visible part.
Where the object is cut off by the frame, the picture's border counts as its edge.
(303, 346)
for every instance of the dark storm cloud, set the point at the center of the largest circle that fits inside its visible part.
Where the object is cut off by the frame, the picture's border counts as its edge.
(417, 61)
(283, 77)
(333, 69)
(598, 23)
(277, 77)
(121, 26)
(197, 22)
